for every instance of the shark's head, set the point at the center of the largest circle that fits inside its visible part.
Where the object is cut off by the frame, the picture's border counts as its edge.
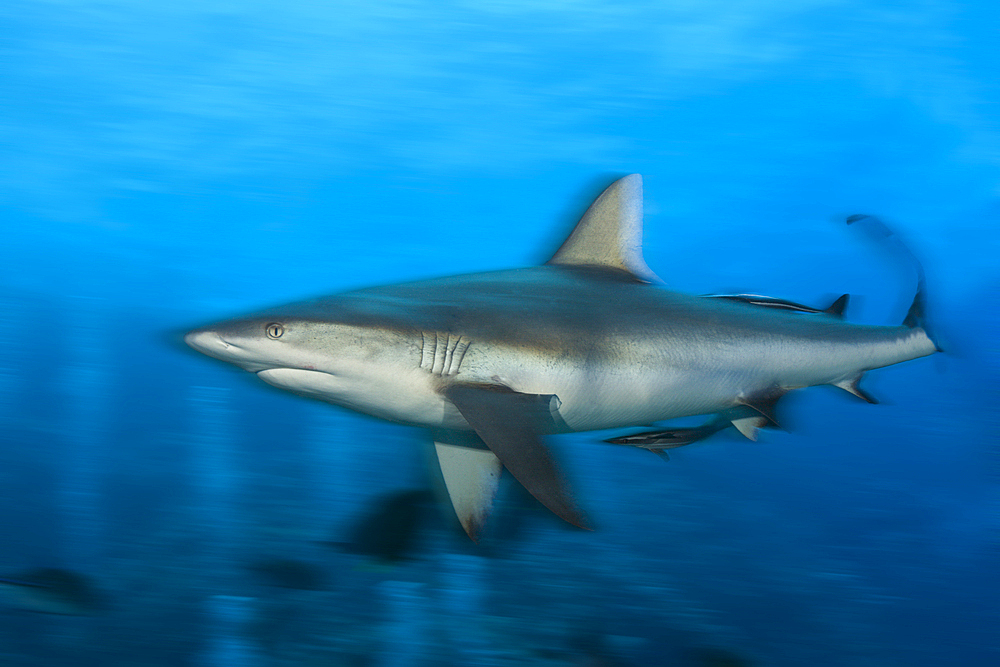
(359, 367)
(255, 344)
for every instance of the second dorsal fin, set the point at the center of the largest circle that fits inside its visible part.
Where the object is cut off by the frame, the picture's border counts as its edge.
(610, 233)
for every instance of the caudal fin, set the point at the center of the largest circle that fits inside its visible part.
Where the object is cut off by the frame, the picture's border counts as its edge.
(916, 316)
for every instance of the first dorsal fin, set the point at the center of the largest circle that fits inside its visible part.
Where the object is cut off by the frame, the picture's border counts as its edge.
(610, 233)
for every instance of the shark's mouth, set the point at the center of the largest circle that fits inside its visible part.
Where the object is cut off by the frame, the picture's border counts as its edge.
(313, 383)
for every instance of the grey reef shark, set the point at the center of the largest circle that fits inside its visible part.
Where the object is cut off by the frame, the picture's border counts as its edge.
(489, 364)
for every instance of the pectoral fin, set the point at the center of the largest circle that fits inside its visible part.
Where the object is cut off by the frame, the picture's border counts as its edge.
(510, 423)
(471, 477)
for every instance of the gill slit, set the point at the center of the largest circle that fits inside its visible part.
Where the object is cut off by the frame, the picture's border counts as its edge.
(442, 353)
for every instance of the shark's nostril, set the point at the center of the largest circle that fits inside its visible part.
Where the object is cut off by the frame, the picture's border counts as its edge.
(205, 341)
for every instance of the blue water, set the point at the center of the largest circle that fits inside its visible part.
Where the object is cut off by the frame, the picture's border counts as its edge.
(163, 165)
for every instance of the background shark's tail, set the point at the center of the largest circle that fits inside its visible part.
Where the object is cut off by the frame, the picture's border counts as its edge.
(916, 315)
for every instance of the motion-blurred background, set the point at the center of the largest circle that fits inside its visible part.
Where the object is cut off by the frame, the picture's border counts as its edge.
(167, 164)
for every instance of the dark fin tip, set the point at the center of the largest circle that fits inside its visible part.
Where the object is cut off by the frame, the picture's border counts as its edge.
(474, 530)
(916, 315)
(864, 395)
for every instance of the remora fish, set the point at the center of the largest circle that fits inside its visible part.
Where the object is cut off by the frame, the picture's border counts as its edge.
(488, 363)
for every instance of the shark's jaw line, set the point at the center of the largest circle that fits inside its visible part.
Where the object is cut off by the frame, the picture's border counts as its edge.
(311, 382)
(490, 363)
(365, 393)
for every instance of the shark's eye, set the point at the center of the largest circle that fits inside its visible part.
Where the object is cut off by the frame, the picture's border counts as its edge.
(274, 330)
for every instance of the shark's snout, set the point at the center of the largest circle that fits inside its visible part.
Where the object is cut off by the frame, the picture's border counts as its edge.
(242, 353)
(206, 341)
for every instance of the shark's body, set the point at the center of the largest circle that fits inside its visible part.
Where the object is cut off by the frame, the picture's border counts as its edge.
(584, 342)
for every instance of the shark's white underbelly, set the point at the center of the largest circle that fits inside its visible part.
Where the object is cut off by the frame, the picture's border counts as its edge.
(406, 398)
(645, 382)
(650, 381)
(587, 403)
(607, 394)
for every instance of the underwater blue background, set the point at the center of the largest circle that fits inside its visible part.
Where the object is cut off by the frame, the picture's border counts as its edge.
(163, 165)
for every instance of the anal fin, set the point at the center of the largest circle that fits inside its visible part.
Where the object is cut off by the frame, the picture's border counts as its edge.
(852, 386)
(764, 404)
